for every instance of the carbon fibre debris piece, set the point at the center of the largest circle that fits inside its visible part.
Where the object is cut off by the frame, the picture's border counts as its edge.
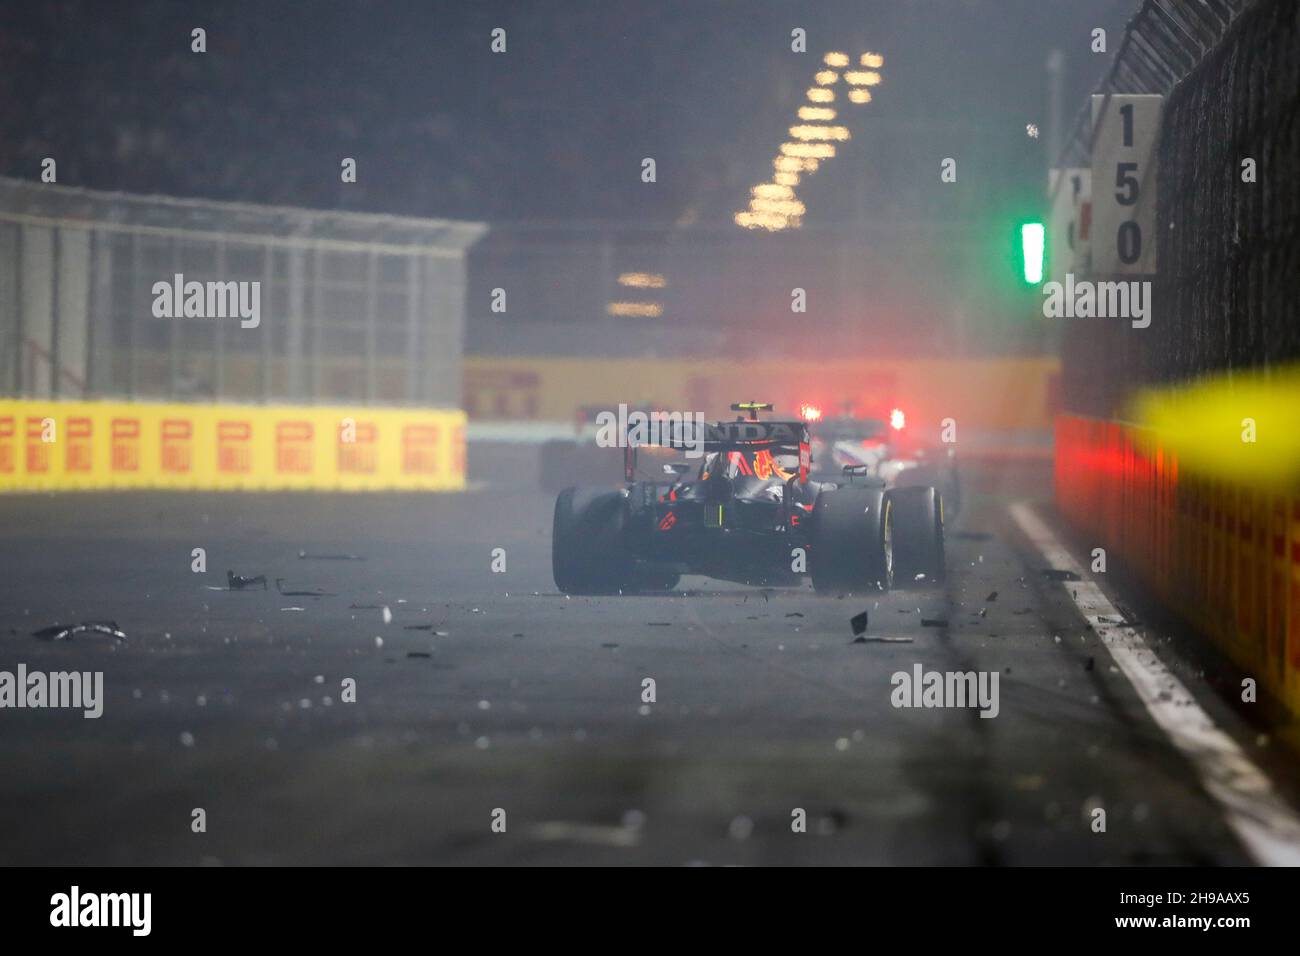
(237, 582)
(61, 632)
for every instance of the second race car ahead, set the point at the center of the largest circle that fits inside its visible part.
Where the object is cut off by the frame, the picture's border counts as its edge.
(888, 447)
(748, 512)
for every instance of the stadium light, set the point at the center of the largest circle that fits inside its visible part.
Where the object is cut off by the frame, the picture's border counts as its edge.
(773, 205)
(815, 131)
(642, 310)
(816, 113)
(862, 78)
(642, 280)
(790, 208)
(808, 150)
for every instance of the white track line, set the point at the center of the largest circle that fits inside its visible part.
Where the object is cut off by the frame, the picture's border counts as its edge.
(1265, 824)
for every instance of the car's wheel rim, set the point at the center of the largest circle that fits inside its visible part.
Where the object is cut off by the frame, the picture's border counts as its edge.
(889, 545)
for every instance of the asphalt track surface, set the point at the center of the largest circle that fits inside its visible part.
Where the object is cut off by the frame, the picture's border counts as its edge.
(521, 699)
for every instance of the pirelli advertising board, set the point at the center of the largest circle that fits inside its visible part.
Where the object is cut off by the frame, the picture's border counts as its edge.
(57, 446)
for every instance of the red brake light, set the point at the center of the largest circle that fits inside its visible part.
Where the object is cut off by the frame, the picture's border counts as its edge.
(810, 413)
(897, 420)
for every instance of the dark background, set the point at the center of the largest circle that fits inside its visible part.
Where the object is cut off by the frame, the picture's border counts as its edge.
(552, 130)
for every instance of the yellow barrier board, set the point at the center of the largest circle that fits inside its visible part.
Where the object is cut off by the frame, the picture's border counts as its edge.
(60, 446)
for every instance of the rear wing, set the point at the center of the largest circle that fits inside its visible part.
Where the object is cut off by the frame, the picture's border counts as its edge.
(699, 438)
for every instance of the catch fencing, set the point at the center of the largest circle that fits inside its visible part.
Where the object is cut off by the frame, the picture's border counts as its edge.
(1228, 209)
(352, 308)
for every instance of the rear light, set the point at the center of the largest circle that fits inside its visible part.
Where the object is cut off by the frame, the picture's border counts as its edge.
(897, 420)
(810, 413)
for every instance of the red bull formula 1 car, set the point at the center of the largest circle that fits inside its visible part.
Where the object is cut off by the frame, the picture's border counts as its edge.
(747, 512)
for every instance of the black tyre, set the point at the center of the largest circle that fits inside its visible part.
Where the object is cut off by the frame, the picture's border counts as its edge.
(588, 555)
(851, 547)
(951, 492)
(918, 536)
(653, 579)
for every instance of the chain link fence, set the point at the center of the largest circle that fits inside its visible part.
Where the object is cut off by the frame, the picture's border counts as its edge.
(1228, 249)
(1232, 248)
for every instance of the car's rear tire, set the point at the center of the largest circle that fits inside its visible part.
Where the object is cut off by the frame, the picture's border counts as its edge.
(588, 555)
(653, 579)
(918, 536)
(950, 492)
(851, 548)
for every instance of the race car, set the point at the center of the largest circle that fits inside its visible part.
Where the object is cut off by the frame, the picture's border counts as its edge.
(749, 512)
(891, 451)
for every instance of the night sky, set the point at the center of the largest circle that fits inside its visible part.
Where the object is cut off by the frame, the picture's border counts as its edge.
(554, 129)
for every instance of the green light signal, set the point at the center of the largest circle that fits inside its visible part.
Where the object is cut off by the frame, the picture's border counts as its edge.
(1032, 247)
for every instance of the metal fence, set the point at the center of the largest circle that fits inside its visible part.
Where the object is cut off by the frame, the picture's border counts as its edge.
(350, 307)
(1228, 250)
(1229, 293)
